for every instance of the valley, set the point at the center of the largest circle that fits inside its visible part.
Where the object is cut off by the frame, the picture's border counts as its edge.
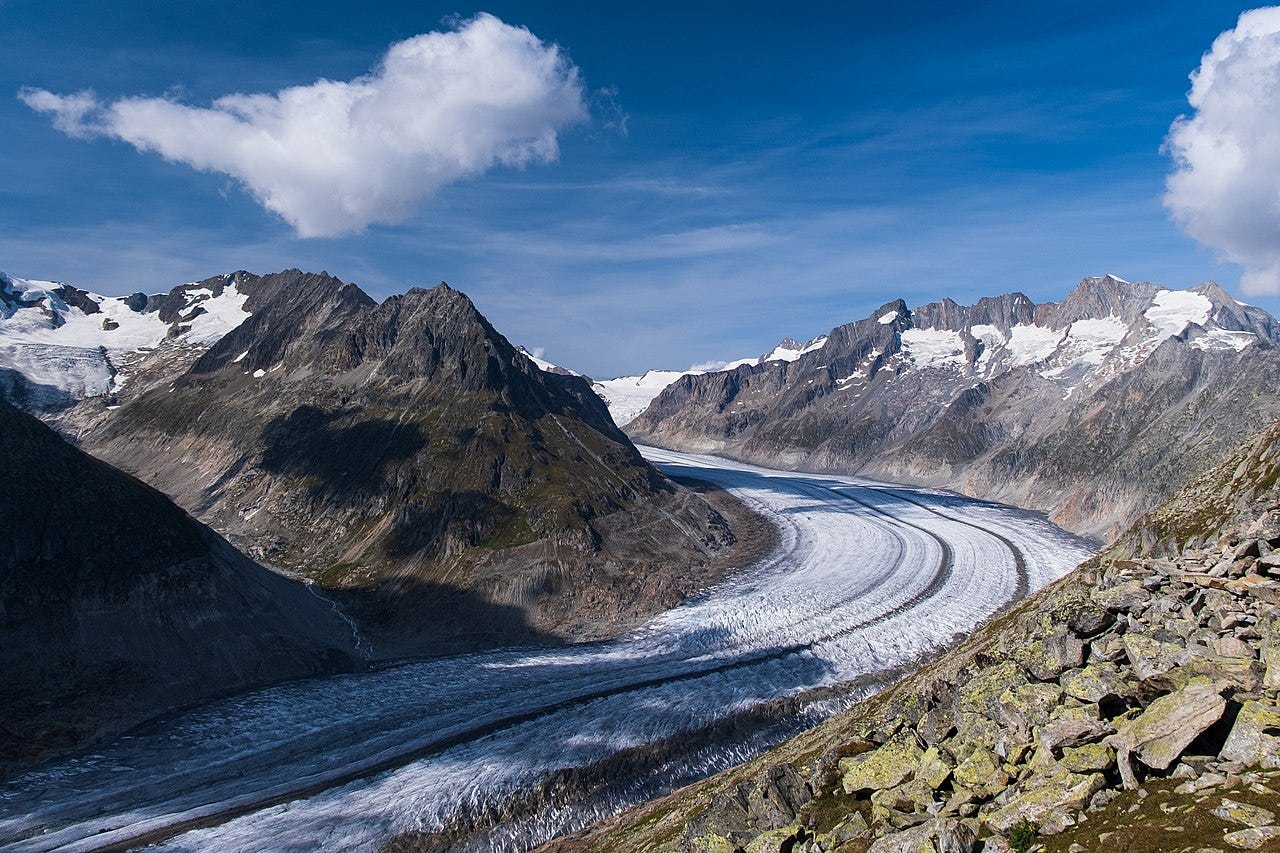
(866, 579)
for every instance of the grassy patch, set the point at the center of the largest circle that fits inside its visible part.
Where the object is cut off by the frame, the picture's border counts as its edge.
(1164, 820)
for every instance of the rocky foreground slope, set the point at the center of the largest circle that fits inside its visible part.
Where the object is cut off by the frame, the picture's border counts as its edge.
(1093, 409)
(1131, 706)
(405, 455)
(115, 605)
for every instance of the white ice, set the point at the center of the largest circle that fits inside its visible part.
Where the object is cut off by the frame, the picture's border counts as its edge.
(1173, 310)
(933, 348)
(866, 577)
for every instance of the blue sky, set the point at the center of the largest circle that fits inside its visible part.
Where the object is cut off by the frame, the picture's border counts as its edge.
(746, 171)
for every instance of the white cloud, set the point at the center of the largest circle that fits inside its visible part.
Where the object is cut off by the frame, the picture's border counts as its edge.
(334, 157)
(1225, 187)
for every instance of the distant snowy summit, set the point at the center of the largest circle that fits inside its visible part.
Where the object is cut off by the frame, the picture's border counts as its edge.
(1087, 408)
(1104, 328)
(628, 396)
(60, 344)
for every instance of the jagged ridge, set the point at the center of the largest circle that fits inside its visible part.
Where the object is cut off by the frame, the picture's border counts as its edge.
(1092, 409)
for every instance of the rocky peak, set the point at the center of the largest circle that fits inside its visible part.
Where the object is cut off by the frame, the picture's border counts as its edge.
(1231, 315)
(1100, 296)
(1004, 312)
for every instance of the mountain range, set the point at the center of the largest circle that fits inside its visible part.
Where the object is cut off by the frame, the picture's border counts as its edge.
(1091, 409)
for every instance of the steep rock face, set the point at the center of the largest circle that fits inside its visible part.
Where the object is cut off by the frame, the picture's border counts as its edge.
(117, 605)
(1093, 409)
(408, 454)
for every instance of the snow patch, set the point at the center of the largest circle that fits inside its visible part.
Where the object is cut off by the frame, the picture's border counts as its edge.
(887, 317)
(221, 314)
(628, 396)
(933, 348)
(1222, 339)
(1029, 344)
(1173, 310)
(782, 353)
(1091, 340)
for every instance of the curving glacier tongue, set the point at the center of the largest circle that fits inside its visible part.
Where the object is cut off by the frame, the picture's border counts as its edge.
(866, 579)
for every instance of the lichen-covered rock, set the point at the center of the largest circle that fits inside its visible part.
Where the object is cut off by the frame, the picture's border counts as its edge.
(1159, 734)
(1125, 597)
(1028, 706)
(1094, 682)
(767, 802)
(884, 767)
(914, 796)
(1249, 741)
(1051, 656)
(712, 843)
(1072, 727)
(1046, 801)
(1150, 657)
(944, 835)
(980, 774)
(853, 826)
(974, 731)
(777, 840)
(1270, 652)
(1244, 814)
(935, 767)
(1244, 673)
(1251, 839)
(1087, 758)
(981, 693)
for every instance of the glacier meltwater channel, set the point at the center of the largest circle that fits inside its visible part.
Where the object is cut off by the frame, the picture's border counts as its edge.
(865, 580)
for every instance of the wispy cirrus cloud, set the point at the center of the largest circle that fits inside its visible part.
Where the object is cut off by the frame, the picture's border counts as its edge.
(334, 157)
(1225, 187)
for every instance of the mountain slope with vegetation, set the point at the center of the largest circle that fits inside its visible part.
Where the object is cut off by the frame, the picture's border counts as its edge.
(407, 456)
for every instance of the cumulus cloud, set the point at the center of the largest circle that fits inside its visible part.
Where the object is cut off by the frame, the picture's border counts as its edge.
(1225, 187)
(334, 157)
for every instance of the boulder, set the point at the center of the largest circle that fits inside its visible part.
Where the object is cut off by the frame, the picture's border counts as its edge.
(935, 767)
(884, 767)
(1252, 839)
(1088, 758)
(1270, 652)
(1047, 801)
(1095, 682)
(1072, 727)
(1125, 597)
(1244, 673)
(1150, 657)
(1169, 724)
(777, 840)
(944, 835)
(1048, 658)
(980, 774)
(981, 693)
(1244, 814)
(1249, 741)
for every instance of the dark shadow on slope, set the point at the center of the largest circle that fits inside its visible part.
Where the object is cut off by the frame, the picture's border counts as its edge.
(32, 396)
(423, 522)
(410, 617)
(343, 452)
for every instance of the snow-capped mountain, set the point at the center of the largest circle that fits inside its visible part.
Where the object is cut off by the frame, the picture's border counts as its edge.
(405, 454)
(628, 396)
(1091, 408)
(60, 344)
